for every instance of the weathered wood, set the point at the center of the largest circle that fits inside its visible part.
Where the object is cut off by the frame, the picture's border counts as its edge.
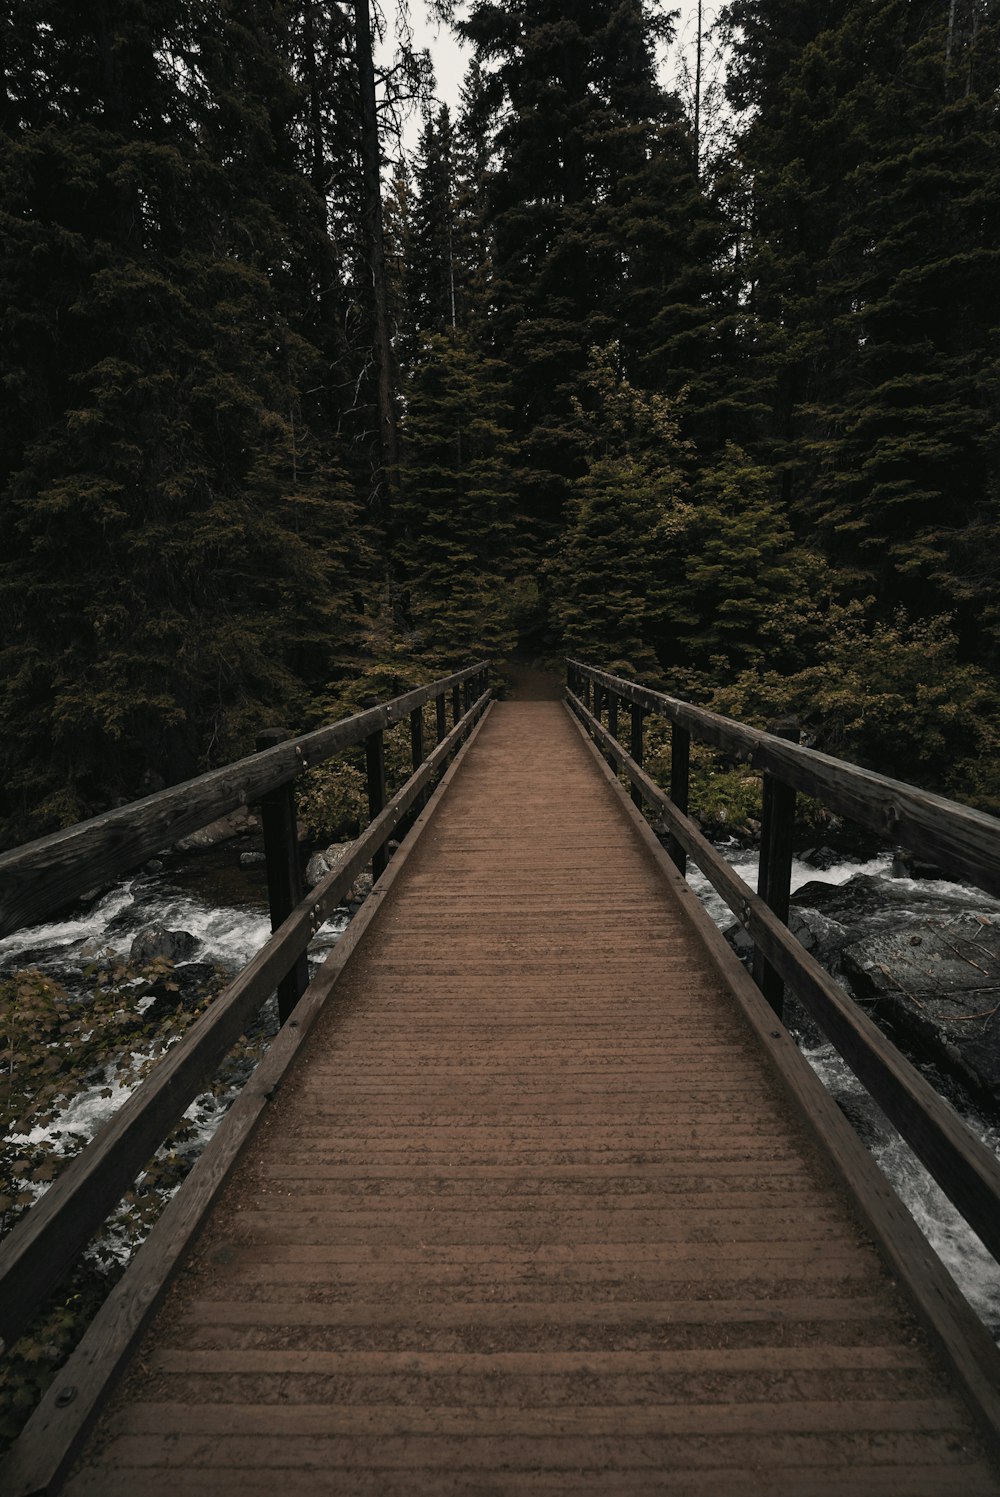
(967, 1171)
(456, 704)
(441, 720)
(375, 774)
(680, 773)
(284, 872)
(613, 713)
(417, 747)
(774, 875)
(45, 875)
(44, 1245)
(963, 842)
(968, 1348)
(48, 1444)
(636, 745)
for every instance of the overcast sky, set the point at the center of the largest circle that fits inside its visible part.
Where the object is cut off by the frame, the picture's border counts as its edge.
(449, 62)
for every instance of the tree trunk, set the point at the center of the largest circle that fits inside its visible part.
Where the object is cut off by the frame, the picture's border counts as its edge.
(372, 209)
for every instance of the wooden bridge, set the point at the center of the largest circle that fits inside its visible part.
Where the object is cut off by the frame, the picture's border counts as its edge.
(533, 1192)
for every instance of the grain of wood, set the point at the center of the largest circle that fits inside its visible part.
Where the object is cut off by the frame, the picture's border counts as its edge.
(532, 1213)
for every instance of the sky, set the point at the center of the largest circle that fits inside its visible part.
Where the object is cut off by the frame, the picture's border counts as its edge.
(449, 57)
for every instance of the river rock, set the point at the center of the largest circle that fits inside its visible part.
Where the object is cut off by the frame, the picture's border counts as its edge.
(821, 857)
(252, 859)
(935, 985)
(325, 862)
(821, 936)
(908, 865)
(155, 943)
(237, 824)
(869, 901)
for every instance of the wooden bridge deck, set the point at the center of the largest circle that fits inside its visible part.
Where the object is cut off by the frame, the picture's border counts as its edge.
(533, 1213)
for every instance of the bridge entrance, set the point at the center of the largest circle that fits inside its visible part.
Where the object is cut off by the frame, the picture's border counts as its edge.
(539, 1207)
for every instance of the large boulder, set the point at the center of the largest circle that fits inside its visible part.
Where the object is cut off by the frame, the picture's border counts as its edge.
(156, 943)
(934, 984)
(236, 824)
(325, 862)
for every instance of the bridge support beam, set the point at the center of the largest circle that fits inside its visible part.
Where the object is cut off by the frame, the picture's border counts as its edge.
(774, 877)
(375, 769)
(284, 871)
(635, 748)
(680, 769)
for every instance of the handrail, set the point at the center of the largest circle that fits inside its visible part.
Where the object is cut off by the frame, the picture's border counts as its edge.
(43, 875)
(966, 1170)
(44, 1244)
(956, 838)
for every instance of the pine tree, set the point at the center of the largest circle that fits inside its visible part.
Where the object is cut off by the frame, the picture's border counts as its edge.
(175, 535)
(459, 554)
(612, 577)
(577, 104)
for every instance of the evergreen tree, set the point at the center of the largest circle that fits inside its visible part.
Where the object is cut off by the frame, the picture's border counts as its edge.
(577, 104)
(434, 275)
(612, 577)
(174, 534)
(459, 555)
(873, 149)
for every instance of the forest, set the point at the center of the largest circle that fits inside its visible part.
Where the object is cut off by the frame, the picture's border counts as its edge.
(703, 390)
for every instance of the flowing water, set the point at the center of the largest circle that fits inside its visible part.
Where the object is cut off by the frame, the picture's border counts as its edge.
(227, 936)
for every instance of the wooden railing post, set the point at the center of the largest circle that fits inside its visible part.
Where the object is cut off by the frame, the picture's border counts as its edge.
(284, 871)
(417, 750)
(375, 768)
(441, 719)
(680, 766)
(774, 876)
(456, 704)
(586, 692)
(598, 701)
(613, 714)
(635, 747)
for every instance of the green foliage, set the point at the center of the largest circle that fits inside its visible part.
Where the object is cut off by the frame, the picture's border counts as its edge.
(612, 582)
(893, 696)
(175, 526)
(459, 547)
(741, 591)
(332, 799)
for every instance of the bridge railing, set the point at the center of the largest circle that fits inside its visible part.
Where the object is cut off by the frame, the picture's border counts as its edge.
(960, 840)
(44, 875)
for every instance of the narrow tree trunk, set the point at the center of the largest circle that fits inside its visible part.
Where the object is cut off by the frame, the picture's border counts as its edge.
(697, 98)
(372, 209)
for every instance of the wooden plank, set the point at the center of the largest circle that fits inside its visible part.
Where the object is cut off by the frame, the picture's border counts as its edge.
(47, 874)
(50, 1440)
(45, 1243)
(962, 841)
(894, 1478)
(222, 1422)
